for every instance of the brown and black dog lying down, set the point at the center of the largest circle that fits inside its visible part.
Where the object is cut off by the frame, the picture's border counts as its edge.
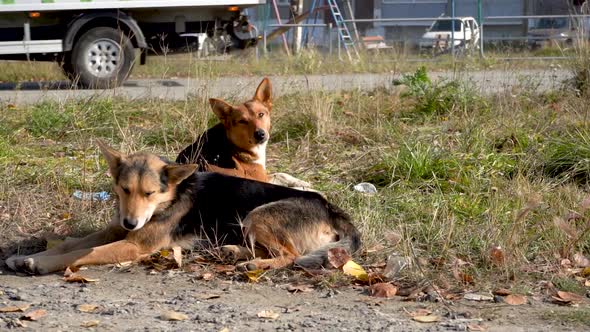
(163, 204)
(237, 145)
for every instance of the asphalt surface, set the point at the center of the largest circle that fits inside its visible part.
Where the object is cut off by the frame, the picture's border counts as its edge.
(492, 81)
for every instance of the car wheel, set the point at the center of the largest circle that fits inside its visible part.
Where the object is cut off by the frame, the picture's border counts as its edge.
(102, 58)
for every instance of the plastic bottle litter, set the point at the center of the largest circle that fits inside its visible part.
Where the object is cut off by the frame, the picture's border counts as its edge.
(96, 196)
(365, 187)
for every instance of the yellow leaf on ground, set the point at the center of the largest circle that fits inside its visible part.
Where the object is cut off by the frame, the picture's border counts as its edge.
(515, 299)
(87, 307)
(164, 253)
(586, 272)
(427, 319)
(353, 269)
(173, 316)
(90, 323)
(268, 314)
(15, 308)
(254, 276)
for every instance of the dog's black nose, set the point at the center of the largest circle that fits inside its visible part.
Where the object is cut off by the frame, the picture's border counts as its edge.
(129, 224)
(260, 135)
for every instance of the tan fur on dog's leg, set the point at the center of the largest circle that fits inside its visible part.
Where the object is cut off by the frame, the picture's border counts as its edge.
(116, 252)
(111, 234)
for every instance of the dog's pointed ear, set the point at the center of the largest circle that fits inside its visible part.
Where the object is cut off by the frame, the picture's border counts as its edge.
(178, 173)
(112, 156)
(264, 92)
(221, 109)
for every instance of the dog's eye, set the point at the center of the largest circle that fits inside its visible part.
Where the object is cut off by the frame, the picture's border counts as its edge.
(125, 190)
(260, 115)
(243, 122)
(148, 193)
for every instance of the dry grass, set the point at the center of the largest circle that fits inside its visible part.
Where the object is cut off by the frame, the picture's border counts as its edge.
(309, 62)
(455, 179)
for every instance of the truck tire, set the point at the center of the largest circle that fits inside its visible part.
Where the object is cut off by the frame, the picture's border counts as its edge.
(101, 58)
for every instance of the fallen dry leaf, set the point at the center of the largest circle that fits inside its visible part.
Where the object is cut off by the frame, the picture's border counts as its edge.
(300, 288)
(586, 272)
(268, 314)
(353, 269)
(568, 297)
(382, 290)
(15, 308)
(87, 307)
(427, 319)
(338, 257)
(587, 283)
(254, 276)
(419, 312)
(478, 297)
(90, 323)
(75, 277)
(515, 299)
(502, 292)
(173, 316)
(580, 260)
(225, 329)
(224, 268)
(71, 275)
(34, 315)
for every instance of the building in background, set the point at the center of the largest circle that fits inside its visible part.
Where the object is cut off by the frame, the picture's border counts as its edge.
(409, 32)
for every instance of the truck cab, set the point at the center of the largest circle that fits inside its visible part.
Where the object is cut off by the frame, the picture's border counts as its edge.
(96, 42)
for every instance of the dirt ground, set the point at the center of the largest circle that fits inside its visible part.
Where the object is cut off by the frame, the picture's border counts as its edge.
(134, 298)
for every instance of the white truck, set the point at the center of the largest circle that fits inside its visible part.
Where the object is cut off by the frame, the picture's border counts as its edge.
(95, 41)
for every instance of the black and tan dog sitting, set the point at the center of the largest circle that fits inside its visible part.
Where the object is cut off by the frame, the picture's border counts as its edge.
(237, 144)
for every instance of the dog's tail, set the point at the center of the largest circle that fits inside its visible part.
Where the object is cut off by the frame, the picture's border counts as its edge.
(349, 238)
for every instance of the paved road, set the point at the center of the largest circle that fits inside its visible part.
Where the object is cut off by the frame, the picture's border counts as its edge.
(178, 89)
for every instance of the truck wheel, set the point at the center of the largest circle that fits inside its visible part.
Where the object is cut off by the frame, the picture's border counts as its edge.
(102, 58)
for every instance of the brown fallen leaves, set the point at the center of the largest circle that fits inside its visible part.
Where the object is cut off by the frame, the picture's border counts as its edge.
(515, 299)
(15, 308)
(382, 290)
(90, 323)
(423, 316)
(568, 298)
(34, 315)
(338, 257)
(74, 276)
(88, 307)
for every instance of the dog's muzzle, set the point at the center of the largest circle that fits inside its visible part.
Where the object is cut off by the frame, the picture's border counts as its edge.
(260, 136)
(130, 224)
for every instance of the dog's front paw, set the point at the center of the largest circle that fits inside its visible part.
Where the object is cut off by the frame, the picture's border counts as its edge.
(35, 266)
(15, 262)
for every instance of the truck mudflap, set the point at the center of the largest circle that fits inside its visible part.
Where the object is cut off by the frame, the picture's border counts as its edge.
(119, 16)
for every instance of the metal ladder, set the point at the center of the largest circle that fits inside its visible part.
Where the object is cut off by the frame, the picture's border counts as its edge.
(343, 31)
